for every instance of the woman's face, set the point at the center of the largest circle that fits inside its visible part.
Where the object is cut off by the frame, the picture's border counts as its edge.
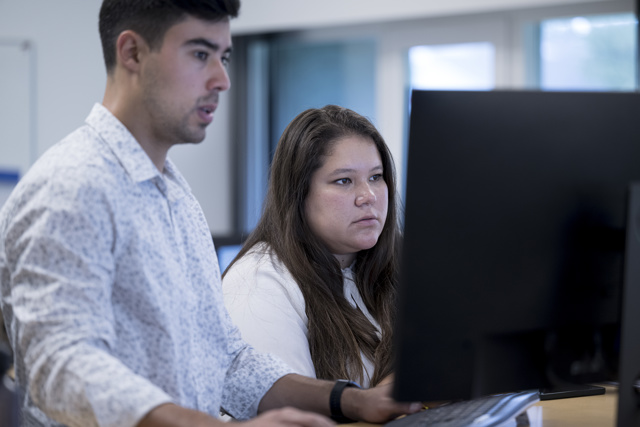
(348, 199)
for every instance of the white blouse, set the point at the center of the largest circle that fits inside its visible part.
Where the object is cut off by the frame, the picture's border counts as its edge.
(267, 305)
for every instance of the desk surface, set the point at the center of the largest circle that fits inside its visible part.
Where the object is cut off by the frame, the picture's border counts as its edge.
(587, 411)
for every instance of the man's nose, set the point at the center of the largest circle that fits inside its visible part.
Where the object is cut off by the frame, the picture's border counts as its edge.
(219, 79)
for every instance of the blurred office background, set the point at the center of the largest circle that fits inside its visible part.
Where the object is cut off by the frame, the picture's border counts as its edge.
(294, 54)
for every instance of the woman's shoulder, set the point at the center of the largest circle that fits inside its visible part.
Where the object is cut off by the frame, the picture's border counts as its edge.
(259, 261)
(260, 257)
(260, 273)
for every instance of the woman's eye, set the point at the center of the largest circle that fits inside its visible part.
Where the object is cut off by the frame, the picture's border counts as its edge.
(343, 181)
(376, 177)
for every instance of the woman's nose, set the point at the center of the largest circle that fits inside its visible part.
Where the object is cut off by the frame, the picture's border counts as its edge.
(365, 196)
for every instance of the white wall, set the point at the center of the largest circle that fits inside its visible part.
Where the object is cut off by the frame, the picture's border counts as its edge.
(279, 15)
(71, 76)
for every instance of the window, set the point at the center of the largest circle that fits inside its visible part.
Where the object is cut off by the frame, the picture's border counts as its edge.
(372, 67)
(469, 66)
(282, 77)
(589, 53)
(314, 74)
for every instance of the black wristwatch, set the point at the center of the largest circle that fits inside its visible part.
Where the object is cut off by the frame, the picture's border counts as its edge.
(334, 400)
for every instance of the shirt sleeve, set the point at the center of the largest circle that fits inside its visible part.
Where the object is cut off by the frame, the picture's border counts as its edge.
(267, 305)
(249, 377)
(58, 250)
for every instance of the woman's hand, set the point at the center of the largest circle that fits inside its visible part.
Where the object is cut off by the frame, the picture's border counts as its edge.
(386, 380)
(375, 405)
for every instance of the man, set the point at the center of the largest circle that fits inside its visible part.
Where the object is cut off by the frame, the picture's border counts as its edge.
(110, 284)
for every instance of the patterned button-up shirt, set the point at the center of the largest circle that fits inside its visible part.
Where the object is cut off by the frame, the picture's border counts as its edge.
(111, 290)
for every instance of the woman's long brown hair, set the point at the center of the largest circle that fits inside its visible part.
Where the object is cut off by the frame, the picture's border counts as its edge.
(338, 333)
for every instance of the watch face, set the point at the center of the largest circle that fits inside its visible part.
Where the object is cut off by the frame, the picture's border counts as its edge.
(349, 383)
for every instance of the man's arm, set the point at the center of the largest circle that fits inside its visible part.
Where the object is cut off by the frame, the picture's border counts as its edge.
(373, 405)
(170, 415)
(58, 303)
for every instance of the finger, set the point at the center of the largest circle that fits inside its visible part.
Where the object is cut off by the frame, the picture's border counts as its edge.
(407, 408)
(295, 417)
(414, 407)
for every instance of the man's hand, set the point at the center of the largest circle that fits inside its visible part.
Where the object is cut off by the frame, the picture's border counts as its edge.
(374, 405)
(290, 417)
(170, 415)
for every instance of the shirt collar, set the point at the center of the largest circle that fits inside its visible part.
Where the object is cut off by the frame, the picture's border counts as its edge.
(173, 175)
(123, 144)
(130, 154)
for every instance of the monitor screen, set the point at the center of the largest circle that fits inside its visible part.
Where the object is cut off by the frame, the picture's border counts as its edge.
(514, 233)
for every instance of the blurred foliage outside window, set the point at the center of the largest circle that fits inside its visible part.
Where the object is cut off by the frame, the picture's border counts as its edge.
(589, 53)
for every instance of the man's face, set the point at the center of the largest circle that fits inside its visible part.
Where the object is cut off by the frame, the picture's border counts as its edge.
(181, 82)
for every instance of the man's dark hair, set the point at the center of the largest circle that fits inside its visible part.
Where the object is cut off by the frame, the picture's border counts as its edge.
(152, 18)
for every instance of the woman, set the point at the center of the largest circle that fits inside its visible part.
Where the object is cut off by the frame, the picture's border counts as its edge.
(315, 282)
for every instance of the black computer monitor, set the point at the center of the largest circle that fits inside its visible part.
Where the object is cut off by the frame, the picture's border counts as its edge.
(514, 241)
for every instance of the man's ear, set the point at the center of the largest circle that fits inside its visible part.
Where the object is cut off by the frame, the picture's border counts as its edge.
(130, 47)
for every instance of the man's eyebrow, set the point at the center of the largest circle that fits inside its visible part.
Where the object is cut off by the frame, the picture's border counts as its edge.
(206, 43)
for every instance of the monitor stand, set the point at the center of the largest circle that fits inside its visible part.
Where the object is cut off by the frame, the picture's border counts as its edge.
(573, 390)
(629, 372)
(628, 413)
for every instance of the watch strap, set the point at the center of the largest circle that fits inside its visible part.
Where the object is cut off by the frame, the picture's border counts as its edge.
(334, 400)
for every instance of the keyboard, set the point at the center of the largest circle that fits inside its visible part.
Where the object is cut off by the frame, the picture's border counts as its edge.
(481, 412)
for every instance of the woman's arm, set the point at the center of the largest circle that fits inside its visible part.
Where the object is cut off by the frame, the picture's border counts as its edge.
(267, 306)
(373, 405)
